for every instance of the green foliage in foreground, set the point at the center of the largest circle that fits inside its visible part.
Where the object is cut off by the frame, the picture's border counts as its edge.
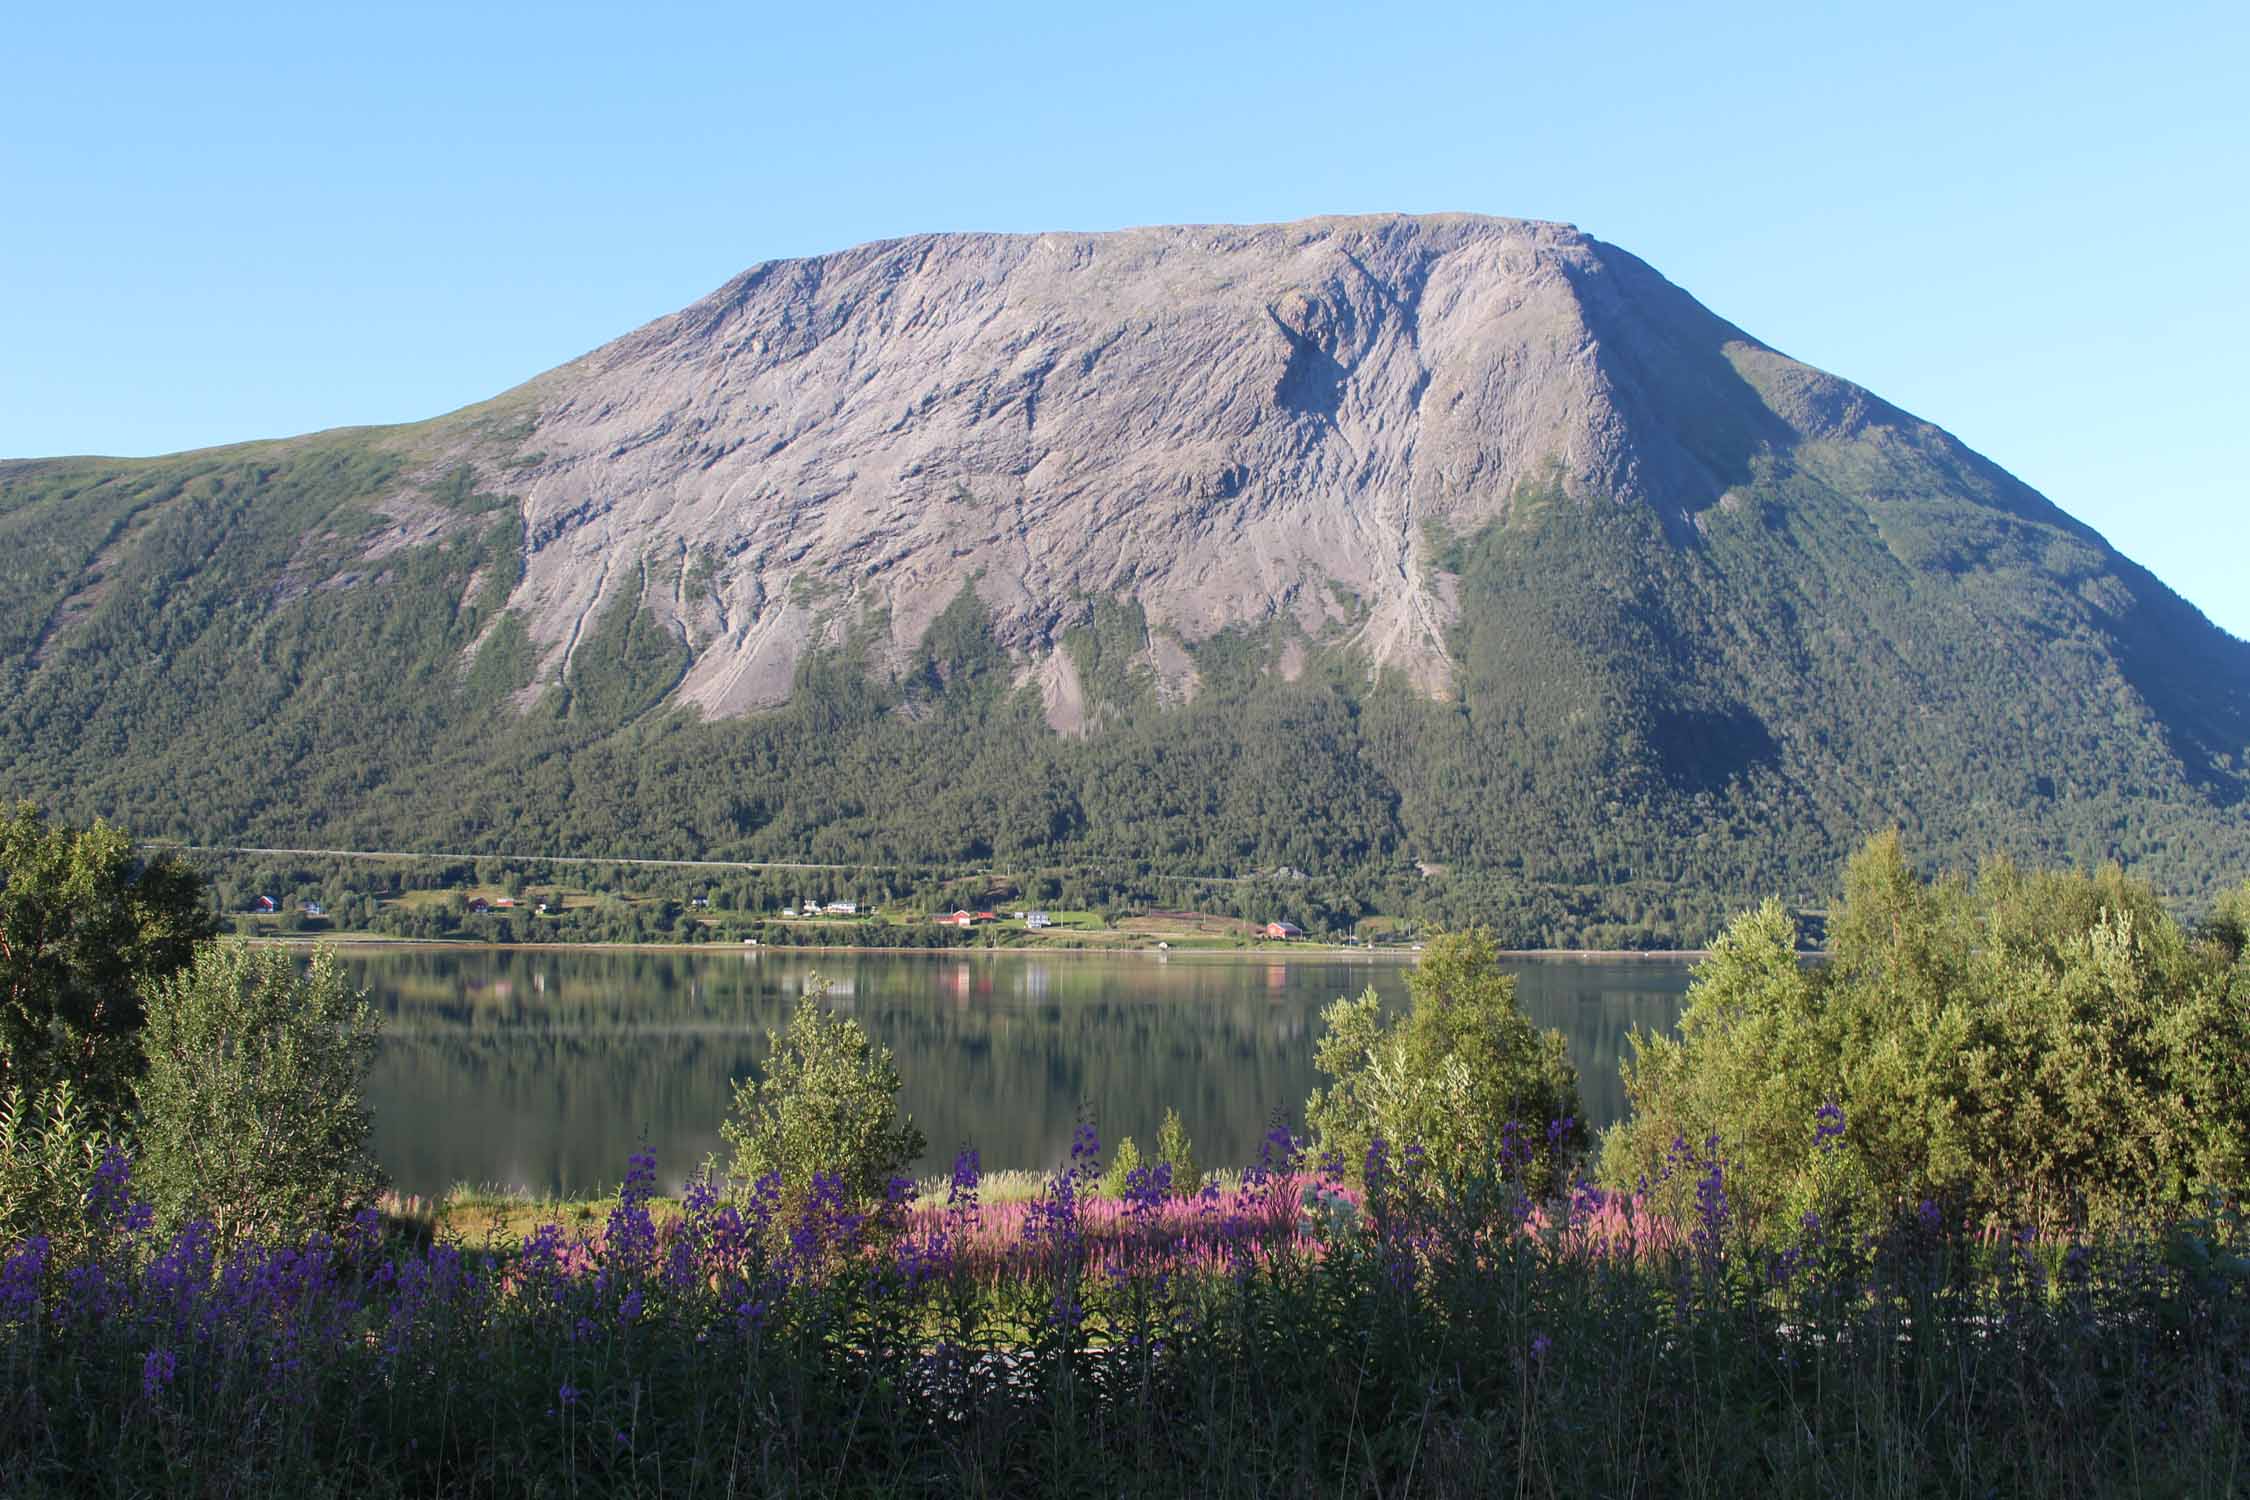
(1423, 1348)
(253, 1114)
(1455, 1075)
(2047, 1049)
(50, 1146)
(828, 1103)
(84, 924)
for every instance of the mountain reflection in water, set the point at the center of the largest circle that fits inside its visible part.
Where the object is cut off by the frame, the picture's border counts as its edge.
(544, 1069)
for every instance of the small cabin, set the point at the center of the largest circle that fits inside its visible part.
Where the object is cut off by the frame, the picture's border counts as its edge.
(1284, 930)
(267, 903)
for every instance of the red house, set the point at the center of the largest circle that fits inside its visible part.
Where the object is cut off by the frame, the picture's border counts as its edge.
(1284, 930)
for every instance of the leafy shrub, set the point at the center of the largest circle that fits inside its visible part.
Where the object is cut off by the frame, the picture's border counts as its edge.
(1122, 1166)
(83, 924)
(252, 1114)
(2044, 1049)
(50, 1147)
(1175, 1150)
(828, 1103)
(1463, 1073)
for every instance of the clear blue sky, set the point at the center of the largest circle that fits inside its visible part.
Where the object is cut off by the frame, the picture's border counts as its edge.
(2024, 222)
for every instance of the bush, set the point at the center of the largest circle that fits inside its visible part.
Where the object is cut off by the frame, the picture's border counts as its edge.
(50, 1148)
(83, 924)
(2043, 1049)
(1463, 1073)
(1122, 1166)
(828, 1103)
(1175, 1150)
(252, 1114)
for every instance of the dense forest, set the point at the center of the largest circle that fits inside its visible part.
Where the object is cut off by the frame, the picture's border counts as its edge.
(260, 646)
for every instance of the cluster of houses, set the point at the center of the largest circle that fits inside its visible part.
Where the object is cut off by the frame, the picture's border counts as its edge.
(309, 908)
(1033, 919)
(820, 909)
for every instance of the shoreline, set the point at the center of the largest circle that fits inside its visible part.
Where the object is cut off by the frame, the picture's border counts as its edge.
(371, 941)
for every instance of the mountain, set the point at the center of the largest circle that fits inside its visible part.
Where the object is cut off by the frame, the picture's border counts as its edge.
(1363, 546)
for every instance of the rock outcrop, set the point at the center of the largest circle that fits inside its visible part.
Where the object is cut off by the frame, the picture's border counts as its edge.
(1228, 425)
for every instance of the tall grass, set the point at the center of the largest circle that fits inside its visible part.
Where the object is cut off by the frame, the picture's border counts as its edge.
(1426, 1334)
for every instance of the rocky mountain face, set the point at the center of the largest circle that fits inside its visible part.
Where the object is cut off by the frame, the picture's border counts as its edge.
(1227, 425)
(1448, 542)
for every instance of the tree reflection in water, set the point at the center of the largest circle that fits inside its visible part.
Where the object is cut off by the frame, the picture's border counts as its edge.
(541, 1069)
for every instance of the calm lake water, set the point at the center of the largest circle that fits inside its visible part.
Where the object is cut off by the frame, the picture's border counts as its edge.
(544, 1070)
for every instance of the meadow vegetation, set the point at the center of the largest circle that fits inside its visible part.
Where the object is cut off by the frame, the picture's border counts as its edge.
(1954, 1212)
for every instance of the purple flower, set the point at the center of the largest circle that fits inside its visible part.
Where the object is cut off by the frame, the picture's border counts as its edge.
(1375, 1167)
(1146, 1189)
(630, 1238)
(1085, 1153)
(157, 1370)
(1514, 1150)
(1541, 1346)
(569, 1394)
(1828, 1126)
(20, 1276)
(109, 1197)
(1785, 1266)
(1712, 1210)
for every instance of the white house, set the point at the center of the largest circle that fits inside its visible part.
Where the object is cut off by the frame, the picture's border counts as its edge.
(1035, 919)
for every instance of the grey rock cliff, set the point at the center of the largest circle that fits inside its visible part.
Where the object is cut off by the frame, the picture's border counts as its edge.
(1228, 424)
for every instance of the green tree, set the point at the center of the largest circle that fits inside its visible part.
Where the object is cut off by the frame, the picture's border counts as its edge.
(83, 925)
(1122, 1165)
(1459, 1075)
(1176, 1151)
(828, 1103)
(2045, 1048)
(2229, 923)
(253, 1113)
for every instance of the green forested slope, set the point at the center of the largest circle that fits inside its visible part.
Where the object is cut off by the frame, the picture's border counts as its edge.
(306, 642)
